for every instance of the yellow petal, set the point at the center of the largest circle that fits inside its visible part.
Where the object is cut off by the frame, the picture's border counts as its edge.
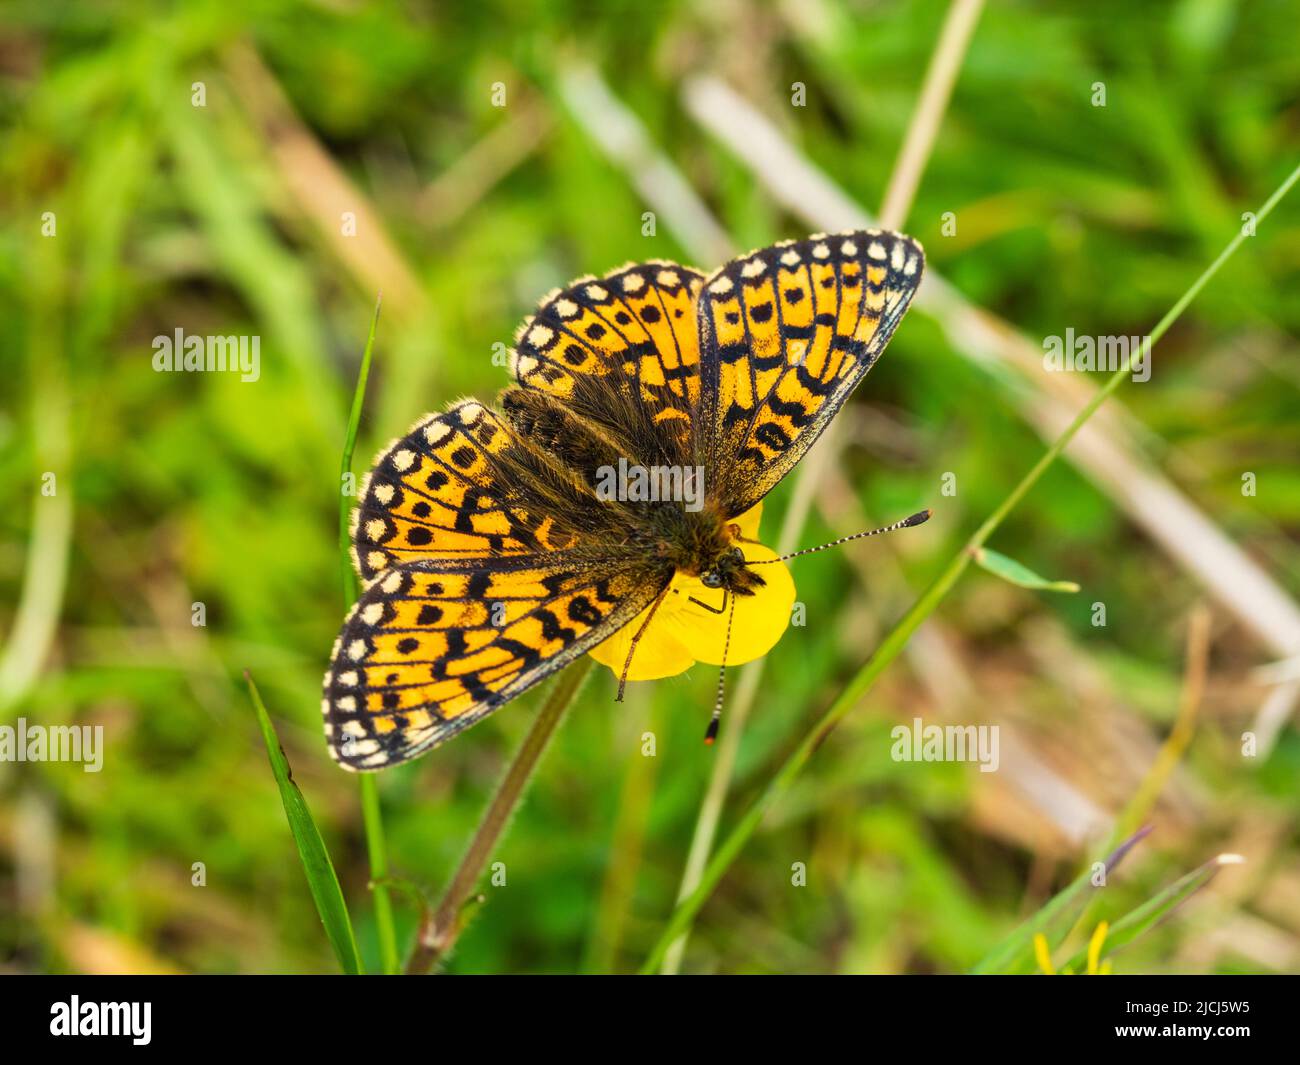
(1094, 947)
(1043, 955)
(683, 632)
(658, 654)
(748, 521)
(759, 620)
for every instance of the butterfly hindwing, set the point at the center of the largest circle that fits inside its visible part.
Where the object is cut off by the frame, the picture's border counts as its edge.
(786, 334)
(434, 646)
(622, 352)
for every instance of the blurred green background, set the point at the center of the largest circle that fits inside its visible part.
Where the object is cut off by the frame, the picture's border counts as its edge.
(176, 489)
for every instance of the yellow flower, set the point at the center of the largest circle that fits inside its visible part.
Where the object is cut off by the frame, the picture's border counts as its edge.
(682, 633)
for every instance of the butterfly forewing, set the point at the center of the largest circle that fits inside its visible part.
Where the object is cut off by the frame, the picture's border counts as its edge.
(786, 334)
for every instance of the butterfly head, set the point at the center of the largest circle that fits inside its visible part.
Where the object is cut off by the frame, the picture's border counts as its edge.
(721, 563)
(704, 545)
(729, 570)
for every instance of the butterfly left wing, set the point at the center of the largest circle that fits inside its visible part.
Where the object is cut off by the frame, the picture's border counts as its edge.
(434, 646)
(786, 334)
(467, 483)
(490, 563)
(622, 353)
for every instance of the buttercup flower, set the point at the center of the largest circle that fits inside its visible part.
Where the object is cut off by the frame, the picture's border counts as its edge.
(683, 632)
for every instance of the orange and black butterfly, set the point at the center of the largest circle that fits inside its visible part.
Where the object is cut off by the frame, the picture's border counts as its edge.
(490, 557)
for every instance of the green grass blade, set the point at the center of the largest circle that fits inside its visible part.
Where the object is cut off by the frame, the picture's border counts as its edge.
(1054, 919)
(350, 587)
(1141, 919)
(390, 961)
(321, 878)
(378, 853)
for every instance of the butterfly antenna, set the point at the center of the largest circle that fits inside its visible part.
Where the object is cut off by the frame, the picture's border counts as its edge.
(636, 638)
(711, 733)
(919, 518)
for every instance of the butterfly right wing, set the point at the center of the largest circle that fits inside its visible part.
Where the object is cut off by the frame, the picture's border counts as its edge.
(434, 646)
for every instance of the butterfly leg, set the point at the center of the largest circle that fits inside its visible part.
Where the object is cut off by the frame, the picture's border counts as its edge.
(700, 602)
(636, 638)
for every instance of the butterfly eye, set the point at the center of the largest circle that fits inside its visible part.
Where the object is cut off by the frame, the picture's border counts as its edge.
(712, 579)
(738, 554)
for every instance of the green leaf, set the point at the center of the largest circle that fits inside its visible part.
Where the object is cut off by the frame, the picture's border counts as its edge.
(350, 590)
(1054, 920)
(1140, 920)
(1011, 570)
(321, 878)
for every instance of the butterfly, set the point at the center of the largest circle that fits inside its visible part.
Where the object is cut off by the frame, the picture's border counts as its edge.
(491, 557)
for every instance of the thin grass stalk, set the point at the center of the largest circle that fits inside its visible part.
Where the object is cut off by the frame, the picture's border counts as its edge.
(371, 814)
(1171, 752)
(440, 929)
(936, 90)
(1180, 736)
(45, 574)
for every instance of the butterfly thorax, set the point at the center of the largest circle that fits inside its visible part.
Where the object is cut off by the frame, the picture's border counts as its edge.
(694, 540)
(577, 447)
(703, 544)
